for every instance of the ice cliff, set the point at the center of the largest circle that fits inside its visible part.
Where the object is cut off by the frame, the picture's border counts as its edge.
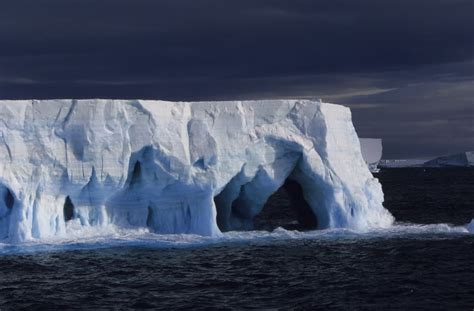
(177, 167)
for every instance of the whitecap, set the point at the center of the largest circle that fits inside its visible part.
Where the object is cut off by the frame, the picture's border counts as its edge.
(81, 238)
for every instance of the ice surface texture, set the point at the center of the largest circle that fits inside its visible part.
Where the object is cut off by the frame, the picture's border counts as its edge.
(177, 167)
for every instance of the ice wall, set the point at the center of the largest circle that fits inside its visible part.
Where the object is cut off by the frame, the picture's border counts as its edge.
(173, 167)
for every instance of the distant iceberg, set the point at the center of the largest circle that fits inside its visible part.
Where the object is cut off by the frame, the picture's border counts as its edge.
(470, 226)
(371, 152)
(465, 159)
(399, 163)
(177, 167)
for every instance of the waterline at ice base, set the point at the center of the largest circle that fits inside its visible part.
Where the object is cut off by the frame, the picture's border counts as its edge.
(199, 168)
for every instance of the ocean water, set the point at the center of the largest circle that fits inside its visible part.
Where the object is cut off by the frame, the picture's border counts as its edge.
(426, 261)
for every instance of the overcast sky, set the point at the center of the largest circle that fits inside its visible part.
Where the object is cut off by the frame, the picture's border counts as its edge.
(405, 67)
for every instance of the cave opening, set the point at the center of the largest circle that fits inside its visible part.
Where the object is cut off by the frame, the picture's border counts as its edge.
(9, 199)
(286, 208)
(149, 217)
(68, 209)
(136, 173)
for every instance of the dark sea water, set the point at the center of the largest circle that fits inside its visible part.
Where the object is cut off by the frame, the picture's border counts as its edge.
(410, 267)
(429, 195)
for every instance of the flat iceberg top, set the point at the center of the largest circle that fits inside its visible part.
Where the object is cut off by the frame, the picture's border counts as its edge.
(177, 167)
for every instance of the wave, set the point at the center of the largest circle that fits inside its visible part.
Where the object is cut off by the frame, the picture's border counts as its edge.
(111, 236)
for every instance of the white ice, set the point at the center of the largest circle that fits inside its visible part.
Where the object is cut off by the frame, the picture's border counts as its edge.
(161, 166)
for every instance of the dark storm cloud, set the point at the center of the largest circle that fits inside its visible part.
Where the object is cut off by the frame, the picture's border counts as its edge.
(379, 57)
(132, 39)
(419, 120)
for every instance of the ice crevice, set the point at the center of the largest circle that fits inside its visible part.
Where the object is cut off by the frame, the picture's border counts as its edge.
(178, 167)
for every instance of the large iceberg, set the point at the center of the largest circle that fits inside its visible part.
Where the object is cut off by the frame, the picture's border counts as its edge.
(177, 167)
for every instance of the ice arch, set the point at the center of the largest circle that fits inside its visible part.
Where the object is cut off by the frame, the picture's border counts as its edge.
(286, 208)
(244, 197)
(170, 166)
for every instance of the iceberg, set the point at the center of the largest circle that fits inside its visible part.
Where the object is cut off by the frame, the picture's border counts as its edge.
(177, 167)
(371, 152)
(465, 159)
(470, 226)
(401, 163)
